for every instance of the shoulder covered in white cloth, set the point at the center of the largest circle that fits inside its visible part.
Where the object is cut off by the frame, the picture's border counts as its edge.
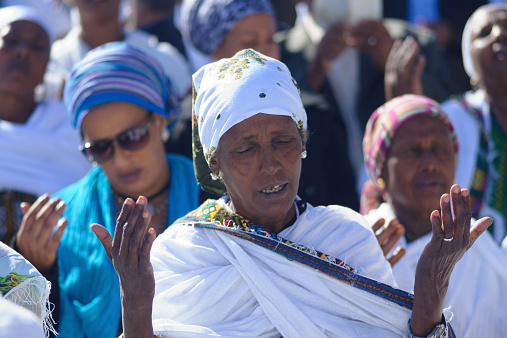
(208, 282)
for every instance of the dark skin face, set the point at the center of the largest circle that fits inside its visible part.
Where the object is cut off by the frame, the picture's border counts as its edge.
(254, 31)
(489, 49)
(24, 54)
(418, 171)
(98, 11)
(130, 172)
(259, 160)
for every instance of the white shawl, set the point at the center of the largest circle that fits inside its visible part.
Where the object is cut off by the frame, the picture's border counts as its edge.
(41, 155)
(212, 283)
(477, 291)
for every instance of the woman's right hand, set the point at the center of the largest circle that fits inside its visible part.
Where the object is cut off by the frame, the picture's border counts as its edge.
(35, 239)
(404, 69)
(388, 237)
(129, 251)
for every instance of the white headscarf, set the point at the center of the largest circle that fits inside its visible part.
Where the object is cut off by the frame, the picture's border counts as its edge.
(466, 40)
(230, 91)
(12, 14)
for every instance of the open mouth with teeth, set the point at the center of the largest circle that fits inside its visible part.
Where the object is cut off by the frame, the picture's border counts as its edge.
(274, 189)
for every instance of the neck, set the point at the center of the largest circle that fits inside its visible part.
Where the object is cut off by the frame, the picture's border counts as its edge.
(498, 106)
(273, 225)
(145, 16)
(97, 34)
(416, 225)
(16, 109)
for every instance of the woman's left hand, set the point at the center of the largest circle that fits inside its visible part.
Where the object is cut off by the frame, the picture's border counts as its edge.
(372, 38)
(452, 237)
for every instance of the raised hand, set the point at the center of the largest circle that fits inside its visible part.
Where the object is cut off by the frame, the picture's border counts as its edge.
(330, 47)
(129, 251)
(404, 68)
(372, 38)
(388, 237)
(452, 237)
(35, 239)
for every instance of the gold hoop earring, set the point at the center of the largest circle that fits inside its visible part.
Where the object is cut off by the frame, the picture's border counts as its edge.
(381, 183)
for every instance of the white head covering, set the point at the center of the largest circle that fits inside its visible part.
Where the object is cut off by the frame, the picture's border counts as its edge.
(12, 14)
(230, 91)
(466, 40)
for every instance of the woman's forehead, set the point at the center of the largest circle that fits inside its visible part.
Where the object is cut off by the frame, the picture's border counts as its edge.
(259, 124)
(488, 16)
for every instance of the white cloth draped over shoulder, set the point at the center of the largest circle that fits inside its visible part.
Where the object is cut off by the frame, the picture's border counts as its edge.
(16, 321)
(211, 283)
(477, 291)
(41, 155)
(71, 49)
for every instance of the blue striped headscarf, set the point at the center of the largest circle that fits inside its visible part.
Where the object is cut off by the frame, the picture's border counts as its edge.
(210, 20)
(119, 72)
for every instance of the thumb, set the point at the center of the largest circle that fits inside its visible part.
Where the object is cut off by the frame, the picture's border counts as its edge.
(104, 238)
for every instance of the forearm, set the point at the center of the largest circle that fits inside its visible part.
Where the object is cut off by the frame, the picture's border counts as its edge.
(429, 297)
(136, 321)
(316, 75)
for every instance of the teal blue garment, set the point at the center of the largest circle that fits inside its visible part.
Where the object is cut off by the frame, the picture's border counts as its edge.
(89, 289)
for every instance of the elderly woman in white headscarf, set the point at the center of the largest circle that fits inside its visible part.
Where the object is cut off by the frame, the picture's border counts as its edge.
(480, 116)
(260, 261)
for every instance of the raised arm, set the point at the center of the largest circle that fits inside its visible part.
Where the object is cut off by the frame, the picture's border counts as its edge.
(129, 251)
(452, 237)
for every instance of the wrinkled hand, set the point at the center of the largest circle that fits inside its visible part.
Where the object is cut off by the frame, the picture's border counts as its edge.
(129, 251)
(35, 239)
(373, 39)
(404, 68)
(330, 47)
(388, 237)
(452, 237)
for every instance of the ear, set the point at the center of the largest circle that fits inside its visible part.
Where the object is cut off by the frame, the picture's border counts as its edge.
(213, 165)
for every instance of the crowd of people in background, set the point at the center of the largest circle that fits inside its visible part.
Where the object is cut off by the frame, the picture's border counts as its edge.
(134, 117)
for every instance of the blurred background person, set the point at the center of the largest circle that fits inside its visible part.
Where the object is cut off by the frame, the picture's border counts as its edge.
(156, 17)
(100, 22)
(411, 150)
(38, 146)
(120, 100)
(479, 115)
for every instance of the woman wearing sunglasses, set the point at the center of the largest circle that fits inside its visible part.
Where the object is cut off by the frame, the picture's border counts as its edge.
(122, 103)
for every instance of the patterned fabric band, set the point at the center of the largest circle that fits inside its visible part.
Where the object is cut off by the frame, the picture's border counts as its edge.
(385, 121)
(211, 215)
(119, 72)
(210, 20)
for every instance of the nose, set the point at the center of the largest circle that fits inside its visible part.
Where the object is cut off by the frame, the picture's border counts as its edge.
(121, 157)
(428, 161)
(23, 49)
(269, 163)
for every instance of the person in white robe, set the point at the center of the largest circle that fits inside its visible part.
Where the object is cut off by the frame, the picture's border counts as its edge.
(39, 148)
(414, 131)
(100, 23)
(260, 262)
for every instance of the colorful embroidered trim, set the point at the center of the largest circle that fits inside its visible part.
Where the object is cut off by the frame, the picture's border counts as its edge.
(480, 178)
(211, 215)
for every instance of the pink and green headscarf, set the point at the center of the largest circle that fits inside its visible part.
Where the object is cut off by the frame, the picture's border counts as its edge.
(385, 121)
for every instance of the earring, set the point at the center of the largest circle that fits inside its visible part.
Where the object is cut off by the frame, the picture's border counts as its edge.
(381, 183)
(214, 177)
(165, 135)
(304, 154)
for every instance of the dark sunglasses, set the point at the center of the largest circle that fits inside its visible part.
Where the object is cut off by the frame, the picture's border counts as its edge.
(132, 139)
